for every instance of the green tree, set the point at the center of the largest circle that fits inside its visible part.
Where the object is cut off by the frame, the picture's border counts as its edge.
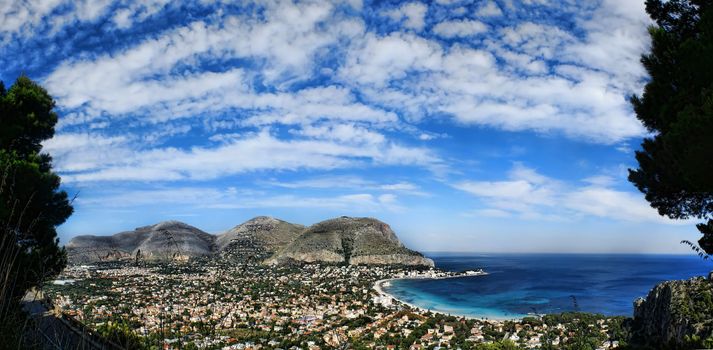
(119, 332)
(676, 164)
(31, 204)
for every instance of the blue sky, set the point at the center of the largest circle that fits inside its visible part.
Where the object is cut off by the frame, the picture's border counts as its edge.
(468, 126)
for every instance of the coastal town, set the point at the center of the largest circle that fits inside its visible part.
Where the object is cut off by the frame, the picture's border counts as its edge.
(320, 174)
(207, 304)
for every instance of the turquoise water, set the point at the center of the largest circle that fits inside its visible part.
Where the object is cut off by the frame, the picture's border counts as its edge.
(545, 283)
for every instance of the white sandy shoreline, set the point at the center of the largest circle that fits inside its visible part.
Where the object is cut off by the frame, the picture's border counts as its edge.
(378, 287)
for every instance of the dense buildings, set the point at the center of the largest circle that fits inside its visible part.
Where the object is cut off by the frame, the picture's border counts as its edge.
(211, 304)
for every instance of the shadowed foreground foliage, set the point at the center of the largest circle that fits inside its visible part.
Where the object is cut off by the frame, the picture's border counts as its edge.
(675, 165)
(31, 204)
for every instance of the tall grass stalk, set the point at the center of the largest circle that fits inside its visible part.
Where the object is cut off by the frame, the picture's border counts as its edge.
(17, 330)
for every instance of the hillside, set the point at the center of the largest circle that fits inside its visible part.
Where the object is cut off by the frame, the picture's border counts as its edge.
(257, 239)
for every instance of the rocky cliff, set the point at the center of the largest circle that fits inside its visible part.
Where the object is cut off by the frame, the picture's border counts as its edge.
(351, 241)
(676, 314)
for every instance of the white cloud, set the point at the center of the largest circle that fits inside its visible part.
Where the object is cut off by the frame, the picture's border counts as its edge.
(142, 75)
(350, 182)
(616, 37)
(414, 14)
(166, 131)
(584, 100)
(137, 12)
(326, 182)
(23, 16)
(492, 213)
(525, 77)
(538, 40)
(141, 81)
(605, 202)
(475, 91)
(377, 60)
(88, 10)
(232, 198)
(499, 189)
(79, 152)
(459, 28)
(401, 187)
(348, 133)
(600, 180)
(122, 18)
(306, 106)
(530, 195)
(490, 9)
(352, 203)
(262, 151)
(399, 72)
(22, 19)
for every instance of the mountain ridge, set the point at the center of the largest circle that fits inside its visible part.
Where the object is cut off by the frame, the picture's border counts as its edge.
(164, 240)
(262, 239)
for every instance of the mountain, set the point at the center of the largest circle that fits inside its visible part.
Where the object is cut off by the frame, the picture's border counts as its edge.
(352, 241)
(261, 239)
(257, 239)
(165, 240)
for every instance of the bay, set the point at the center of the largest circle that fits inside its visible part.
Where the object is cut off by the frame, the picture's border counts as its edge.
(522, 284)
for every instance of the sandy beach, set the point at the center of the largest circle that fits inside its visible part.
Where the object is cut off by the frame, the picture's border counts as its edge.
(380, 284)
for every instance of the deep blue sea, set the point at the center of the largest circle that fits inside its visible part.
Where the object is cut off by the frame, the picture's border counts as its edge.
(519, 284)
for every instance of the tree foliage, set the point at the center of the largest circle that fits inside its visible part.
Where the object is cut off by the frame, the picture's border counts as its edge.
(676, 164)
(31, 204)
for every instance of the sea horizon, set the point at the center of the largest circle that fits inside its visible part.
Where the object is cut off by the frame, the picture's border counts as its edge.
(465, 253)
(518, 285)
